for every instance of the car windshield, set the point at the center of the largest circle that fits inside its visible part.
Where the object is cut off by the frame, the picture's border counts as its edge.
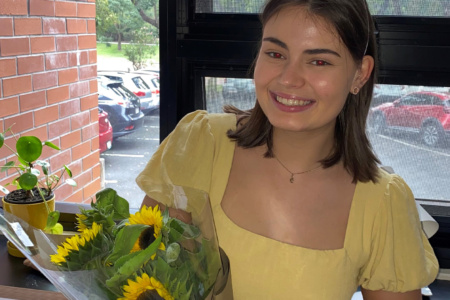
(140, 83)
(113, 90)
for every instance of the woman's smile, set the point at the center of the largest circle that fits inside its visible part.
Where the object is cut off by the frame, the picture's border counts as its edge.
(291, 103)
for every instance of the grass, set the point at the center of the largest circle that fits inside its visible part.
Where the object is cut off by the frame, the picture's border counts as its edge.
(103, 50)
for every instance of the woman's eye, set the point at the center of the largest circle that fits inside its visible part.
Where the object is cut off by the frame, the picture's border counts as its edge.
(320, 62)
(274, 54)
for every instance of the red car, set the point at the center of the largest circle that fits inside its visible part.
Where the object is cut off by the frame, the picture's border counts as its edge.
(105, 131)
(426, 113)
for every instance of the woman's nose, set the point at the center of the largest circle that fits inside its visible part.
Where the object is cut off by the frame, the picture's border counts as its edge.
(292, 75)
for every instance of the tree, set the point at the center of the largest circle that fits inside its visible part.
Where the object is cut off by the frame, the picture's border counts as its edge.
(148, 10)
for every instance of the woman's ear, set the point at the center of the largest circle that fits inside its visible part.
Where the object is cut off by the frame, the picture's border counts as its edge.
(364, 71)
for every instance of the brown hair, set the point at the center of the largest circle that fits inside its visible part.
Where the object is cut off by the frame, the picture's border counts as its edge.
(352, 21)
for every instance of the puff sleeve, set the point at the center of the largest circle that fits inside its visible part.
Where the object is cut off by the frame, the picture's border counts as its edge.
(401, 258)
(182, 162)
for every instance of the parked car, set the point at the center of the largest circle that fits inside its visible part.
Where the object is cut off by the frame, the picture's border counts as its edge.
(152, 80)
(105, 131)
(384, 93)
(238, 88)
(426, 113)
(122, 106)
(138, 86)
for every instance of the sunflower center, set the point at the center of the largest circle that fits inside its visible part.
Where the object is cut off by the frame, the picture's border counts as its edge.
(150, 295)
(147, 237)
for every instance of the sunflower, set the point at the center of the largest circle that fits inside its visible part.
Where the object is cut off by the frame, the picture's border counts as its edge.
(152, 218)
(145, 287)
(74, 243)
(80, 218)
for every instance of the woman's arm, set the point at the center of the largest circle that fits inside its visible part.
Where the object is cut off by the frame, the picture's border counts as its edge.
(173, 212)
(383, 295)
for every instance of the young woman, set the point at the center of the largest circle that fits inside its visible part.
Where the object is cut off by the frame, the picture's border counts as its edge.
(300, 206)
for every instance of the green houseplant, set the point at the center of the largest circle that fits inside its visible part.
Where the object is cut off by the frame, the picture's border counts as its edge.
(33, 190)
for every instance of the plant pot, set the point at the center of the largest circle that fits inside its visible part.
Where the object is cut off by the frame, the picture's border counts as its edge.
(33, 212)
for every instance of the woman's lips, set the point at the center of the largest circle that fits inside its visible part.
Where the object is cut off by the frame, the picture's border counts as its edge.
(291, 103)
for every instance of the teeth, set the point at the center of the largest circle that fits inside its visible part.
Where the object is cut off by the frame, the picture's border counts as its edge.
(292, 102)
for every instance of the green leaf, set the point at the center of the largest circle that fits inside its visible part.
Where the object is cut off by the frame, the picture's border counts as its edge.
(133, 264)
(51, 145)
(4, 190)
(68, 171)
(27, 181)
(71, 182)
(7, 166)
(35, 172)
(57, 229)
(29, 148)
(125, 241)
(2, 139)
(109, 197)
(172, 252)
(52, 219)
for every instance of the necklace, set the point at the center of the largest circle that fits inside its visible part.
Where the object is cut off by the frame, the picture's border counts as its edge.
(298, 173)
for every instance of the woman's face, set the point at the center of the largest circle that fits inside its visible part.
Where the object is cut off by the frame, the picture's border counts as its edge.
(303, 73)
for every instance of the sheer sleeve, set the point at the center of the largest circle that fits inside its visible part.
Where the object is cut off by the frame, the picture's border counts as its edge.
(401, 257)
(182, 162)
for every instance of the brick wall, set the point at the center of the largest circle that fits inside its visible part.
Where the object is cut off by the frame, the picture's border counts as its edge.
(48, 67)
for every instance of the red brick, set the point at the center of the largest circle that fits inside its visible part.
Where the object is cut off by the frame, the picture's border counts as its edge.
(83, 57)
(14, 46)
(42, 8)
(10, 106)
(93, 86)
(88, 72)
(89, 102)
(81, 150)
(96, 171)
(63, 191)
(42, 44)
(46, 115)
(92, 56)
(91, 26)
(7, 67)
(13, 7)
(67, 76)
(27, 26)
(57, 94)
(86, 10)
(69, 108)
(54, 25)
(16, 85)
(66, 43)
(32, 101)
(58, 161)
(91, 189)
(73, 59)
(58, 128)
(45, 80)
(40, 133)
(75, 166)
(65, 9)
(76, 26)
(6, 26)
(84, 179)
(71, 139)
(56, 61)
(11, 142)
(89, 131)
(91, 160)
(30, 64)
(87, 41)
(79, 89)
(94, 114)
(75, 197)
(95, 143)
(21, 122)
(80, 120)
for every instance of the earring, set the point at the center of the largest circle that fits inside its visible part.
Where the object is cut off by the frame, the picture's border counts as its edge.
(355, 90)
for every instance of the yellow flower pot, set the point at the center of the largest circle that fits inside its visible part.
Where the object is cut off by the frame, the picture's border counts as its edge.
(34, 214)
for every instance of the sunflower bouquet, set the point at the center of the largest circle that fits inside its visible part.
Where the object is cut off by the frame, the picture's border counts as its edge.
(121, 255)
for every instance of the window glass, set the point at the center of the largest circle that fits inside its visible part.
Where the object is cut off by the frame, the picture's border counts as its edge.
(424, 8)
(408, 126)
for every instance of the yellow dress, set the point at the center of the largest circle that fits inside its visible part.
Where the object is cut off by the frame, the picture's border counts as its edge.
(384, 249)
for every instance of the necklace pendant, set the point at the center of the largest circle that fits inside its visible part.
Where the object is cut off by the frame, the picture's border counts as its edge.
(292, 178)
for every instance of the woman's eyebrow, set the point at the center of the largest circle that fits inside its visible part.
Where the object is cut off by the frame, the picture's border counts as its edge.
(321, 51)
(275, 41)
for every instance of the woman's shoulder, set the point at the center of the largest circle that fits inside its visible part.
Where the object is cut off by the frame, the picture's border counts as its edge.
(200, 120)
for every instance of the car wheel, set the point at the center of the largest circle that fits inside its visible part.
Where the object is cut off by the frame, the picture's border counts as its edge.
(432, 134)
(378, 124)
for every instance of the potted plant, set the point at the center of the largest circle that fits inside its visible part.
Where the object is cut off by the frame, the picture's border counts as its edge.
(33, 199)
